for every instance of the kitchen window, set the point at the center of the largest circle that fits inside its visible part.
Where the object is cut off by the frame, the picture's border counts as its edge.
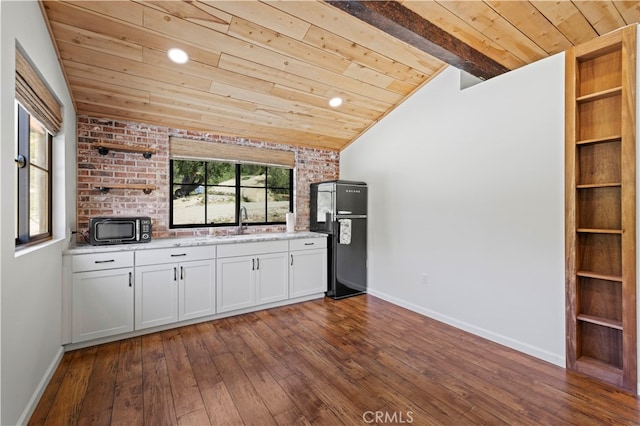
(39, 118)
(212, 193)
(33, 216)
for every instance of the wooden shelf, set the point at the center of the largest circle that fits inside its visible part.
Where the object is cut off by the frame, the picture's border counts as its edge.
(600, 321)
(614, 91)
(604, 139)
(598, 185)
(104, 147)
(600, 370)
(599, 231)
(598, 276)
(107, 186)
(592, 362)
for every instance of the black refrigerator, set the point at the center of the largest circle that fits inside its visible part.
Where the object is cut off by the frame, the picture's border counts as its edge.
(339, 209)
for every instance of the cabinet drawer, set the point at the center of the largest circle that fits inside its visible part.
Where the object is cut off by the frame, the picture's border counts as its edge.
(177, 254)
(100, 261)
(307, 244)
(250, 249)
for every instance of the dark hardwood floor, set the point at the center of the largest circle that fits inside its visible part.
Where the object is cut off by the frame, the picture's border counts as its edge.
(354, 361)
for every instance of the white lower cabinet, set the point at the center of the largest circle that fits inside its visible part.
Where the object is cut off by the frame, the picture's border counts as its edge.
(307, 267)
(197, 295)
(156, 295)
(236, 287)
(116, 292)
(272, 278)
(102, 304)
(251, 274)
(102, 295)
(171, 292)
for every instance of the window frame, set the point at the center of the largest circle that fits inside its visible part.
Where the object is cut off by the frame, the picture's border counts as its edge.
(23, 182)
(238, 194)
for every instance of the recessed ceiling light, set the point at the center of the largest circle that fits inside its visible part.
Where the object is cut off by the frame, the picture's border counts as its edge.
(335, 102)
(178, 56)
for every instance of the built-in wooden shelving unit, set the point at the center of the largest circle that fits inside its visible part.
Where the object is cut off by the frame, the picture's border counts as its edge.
(600, 208)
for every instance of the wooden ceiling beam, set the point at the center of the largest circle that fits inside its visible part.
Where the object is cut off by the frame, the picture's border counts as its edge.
(404, 24)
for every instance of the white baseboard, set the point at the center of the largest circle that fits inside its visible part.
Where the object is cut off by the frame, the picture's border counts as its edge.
(37, 394)
(517, 345)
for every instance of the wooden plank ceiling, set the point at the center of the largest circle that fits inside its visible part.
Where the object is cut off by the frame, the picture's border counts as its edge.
(265, 70)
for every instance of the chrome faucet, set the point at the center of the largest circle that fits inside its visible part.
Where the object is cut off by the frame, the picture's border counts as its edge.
(242, 214)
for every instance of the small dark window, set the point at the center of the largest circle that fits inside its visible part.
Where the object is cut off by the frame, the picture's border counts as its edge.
(33, 216)
(211, 193)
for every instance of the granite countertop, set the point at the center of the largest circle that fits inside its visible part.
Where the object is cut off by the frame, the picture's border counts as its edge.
(204, 240)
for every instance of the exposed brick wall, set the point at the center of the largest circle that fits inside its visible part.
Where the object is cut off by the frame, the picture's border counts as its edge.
(94, 170)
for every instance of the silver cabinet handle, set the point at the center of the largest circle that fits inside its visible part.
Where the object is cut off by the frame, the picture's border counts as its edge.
(309, 244)
(179, 255)
(253, 264)
(175, 273)
(130, 279)
(105, 261)
(182, 272)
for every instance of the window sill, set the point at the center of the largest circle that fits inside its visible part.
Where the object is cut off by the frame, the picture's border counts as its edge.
(35, 247)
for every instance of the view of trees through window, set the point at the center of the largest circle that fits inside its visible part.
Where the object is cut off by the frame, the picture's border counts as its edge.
(210, 193)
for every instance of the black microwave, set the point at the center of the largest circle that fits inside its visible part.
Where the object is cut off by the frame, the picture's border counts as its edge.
(119, 230)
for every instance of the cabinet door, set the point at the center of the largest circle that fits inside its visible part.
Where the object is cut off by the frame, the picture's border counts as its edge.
(197, 289)
(272, 278)
(156, 295)
(102, 303)
(307, 273)
(235, 283)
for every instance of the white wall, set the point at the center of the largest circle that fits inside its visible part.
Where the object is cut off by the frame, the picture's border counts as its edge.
(30, 282)
(468, 187)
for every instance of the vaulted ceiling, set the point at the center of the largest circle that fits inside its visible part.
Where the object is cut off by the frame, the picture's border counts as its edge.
(266, 70)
